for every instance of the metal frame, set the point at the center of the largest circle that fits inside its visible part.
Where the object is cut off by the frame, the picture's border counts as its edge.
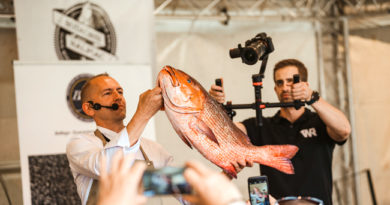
(336, 74)
(285, 8)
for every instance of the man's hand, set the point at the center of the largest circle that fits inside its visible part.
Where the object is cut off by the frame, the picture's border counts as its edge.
(121, 185)
(301, 91)
(149, 103)
(211, 187)
(238, 166)
(218, 93)
(241, 164)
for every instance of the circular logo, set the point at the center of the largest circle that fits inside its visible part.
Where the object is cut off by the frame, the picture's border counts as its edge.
(73, 97)
(84, 32)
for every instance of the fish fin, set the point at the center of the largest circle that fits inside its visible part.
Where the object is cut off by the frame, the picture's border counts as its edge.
(289, 151)
(278, 157)
(184, 139)
(181, 135)
(201, 127)
(282, 164)
(230, 170)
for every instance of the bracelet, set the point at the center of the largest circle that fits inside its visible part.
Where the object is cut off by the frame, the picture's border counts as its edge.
(315, 96)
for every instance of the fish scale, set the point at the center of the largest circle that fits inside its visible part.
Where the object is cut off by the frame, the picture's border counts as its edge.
(214, 114)
(202, 123)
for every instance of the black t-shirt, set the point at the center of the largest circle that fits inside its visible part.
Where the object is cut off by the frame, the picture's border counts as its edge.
(312, 163)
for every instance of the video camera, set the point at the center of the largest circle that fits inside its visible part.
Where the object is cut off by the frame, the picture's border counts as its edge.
(255, 49)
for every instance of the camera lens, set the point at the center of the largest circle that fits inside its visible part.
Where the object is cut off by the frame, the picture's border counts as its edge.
(234, 53)
(250, 56)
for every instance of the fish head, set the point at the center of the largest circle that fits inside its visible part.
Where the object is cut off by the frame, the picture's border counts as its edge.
(181, 92)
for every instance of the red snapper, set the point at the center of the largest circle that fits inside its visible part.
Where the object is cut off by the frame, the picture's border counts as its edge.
(202, 123)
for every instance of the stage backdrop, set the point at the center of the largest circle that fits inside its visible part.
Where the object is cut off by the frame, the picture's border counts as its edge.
(48, 112)
(100, 30)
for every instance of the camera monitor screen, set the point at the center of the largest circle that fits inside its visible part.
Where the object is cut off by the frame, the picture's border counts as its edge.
(258, 190)
(165, 181)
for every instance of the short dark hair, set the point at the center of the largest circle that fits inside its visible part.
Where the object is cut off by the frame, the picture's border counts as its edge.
(87, 85)
(302, 70)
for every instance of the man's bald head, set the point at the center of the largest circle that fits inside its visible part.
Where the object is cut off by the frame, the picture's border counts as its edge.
(87, 87)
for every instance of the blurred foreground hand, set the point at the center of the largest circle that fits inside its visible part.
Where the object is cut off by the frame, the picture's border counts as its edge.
(210, 187)
(122, 185)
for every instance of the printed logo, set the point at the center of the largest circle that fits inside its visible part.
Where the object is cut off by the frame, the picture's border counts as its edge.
(73, 97)
(309, 133)
(84, 32)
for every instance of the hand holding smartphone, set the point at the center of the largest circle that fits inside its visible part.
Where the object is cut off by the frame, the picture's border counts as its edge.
(165, 181)
(258, 190)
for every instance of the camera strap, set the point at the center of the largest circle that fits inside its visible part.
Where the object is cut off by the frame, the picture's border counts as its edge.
(103, 138)
(149, 163)
(93, 192)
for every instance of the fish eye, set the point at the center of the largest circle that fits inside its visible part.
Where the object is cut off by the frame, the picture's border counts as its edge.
(189, 80)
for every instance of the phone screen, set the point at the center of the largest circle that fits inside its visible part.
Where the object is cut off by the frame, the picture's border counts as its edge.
(165, 181)
(258, 190)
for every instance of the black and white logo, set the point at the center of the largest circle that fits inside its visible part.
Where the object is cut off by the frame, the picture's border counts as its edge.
(73, 96)
(84, 32)
(309, 133)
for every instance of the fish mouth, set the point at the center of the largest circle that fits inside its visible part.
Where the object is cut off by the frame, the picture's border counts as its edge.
(169, 99)
(173, 78)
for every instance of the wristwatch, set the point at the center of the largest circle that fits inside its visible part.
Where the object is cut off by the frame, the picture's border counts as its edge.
(315, 96)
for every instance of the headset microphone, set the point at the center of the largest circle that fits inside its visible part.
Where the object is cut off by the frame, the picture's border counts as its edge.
(97, 106)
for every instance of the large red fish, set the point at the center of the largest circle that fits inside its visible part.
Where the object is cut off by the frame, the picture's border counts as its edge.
(202, 123)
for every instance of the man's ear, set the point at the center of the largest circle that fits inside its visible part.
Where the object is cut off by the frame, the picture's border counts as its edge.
(88, 109)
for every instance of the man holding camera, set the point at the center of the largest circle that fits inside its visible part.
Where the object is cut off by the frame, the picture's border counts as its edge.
(103, 100)
(315, 133)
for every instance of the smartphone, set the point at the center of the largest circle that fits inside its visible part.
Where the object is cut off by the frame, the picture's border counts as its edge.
(258, 190)
(219, 82)
(165, 181)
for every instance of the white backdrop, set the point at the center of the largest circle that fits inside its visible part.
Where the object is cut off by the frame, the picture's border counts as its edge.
(201, 49)
(45, 122)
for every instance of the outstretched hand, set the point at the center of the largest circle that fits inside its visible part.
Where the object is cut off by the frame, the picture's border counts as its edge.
(301, 91)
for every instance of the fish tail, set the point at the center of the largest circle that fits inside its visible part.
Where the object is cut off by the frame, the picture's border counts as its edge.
(287, 151)
(278, 157)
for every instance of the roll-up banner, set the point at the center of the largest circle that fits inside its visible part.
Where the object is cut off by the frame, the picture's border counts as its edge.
(100, 30)
(49, 113)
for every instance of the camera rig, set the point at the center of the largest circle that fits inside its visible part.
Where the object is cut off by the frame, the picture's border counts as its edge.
(257, 49)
